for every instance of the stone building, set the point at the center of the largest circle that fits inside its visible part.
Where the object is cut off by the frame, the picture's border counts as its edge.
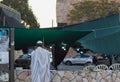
(63, 7)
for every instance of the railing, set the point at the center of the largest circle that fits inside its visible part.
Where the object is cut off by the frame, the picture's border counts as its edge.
(113, 67)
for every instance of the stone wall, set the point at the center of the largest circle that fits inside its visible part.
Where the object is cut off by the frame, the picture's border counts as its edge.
(72, 76)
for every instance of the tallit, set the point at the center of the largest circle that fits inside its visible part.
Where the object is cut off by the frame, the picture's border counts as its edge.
(40, 65)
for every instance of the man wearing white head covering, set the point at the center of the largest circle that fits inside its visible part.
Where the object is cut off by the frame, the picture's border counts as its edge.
(40, 64)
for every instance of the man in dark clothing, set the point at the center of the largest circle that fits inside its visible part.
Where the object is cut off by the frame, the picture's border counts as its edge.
(59, 54)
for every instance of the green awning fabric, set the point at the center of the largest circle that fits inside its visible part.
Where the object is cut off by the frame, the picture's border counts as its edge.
(109, 44)
(28, 37)
(106, 35)
(104, 40)
(99, 33)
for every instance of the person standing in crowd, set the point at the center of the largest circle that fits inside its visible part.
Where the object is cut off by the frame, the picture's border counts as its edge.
(40, 64)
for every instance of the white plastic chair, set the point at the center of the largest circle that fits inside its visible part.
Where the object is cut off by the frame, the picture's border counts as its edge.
(101, 67)
(89, 67)
(115, 66)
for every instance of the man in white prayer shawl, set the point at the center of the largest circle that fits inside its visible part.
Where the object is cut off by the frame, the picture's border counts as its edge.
(40, 64)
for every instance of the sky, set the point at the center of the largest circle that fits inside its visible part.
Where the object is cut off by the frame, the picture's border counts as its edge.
(45, 11)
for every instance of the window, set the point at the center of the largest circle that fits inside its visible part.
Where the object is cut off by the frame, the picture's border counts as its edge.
(77, 56)
(24, 57)
(84, 56)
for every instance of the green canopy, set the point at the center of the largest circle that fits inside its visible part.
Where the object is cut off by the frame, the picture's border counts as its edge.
(109, 44)
(28, 37)
(99, 33)
(104, 40)
(106, 35)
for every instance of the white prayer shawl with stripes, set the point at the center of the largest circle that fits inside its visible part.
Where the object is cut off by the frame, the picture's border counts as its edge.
(40, 65)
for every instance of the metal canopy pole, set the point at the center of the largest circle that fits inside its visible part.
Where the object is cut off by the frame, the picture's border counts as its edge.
(11, 55)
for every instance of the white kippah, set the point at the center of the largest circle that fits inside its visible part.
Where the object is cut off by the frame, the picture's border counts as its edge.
(39, 42)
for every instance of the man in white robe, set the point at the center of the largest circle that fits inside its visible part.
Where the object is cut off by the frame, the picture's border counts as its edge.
(40, 64)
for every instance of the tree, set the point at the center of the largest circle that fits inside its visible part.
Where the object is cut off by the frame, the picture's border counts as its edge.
(87, 10)
(22, 6)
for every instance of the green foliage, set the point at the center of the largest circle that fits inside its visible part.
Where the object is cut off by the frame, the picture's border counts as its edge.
(89, 10)
(22, 6)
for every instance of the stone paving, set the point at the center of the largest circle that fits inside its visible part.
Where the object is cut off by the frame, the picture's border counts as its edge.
(73, 76)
